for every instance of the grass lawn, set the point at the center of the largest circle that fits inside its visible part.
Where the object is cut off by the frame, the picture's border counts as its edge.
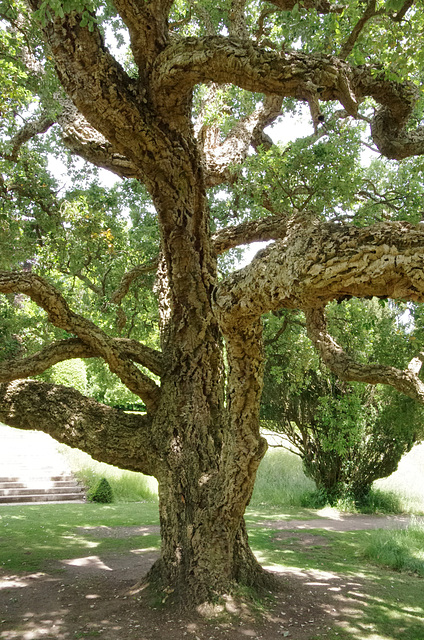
(31, 535)
(371, 602)
(382, 604)
(368, 584)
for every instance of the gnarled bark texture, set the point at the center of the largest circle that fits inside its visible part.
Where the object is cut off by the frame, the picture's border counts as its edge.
(200, 438)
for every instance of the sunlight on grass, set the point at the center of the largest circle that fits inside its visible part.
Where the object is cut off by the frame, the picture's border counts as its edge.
(127, 486)
(408, 481)
(280, 480)
(402, 550)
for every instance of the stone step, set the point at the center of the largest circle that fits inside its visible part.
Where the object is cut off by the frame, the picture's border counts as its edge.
(39, 490)
(33, 470)
(34, 476)
(12, 484)
(25, 481)
(41, 497)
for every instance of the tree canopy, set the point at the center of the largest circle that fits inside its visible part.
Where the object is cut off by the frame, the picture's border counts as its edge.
(176, 99)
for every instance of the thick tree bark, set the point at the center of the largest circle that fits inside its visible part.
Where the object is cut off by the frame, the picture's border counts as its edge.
(107, 434)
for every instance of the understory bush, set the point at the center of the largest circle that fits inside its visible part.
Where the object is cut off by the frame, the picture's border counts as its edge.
(101, 493)
(375, 501)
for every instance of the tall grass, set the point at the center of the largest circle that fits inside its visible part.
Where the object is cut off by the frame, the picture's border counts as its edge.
(280, 480)
(402, 550)
(127, 486)
(407, 483)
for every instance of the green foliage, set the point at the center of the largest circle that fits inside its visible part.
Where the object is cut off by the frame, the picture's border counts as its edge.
(101, 493)
(71, 373)
(347, 434)
(373, 501)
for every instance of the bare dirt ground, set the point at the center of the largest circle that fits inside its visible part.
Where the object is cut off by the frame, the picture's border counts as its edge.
(95, 597)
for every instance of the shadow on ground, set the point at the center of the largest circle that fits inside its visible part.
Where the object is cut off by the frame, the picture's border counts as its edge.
(91, 596)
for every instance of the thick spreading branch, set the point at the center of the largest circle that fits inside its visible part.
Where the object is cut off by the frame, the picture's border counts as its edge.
(314, 263)
(405, 381)
(306, 77)
(61, 316)
(107, 434)
(228, 60)
(74, 348)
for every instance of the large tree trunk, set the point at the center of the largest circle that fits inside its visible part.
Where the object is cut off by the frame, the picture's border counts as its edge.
(208, 464)
(205, 550)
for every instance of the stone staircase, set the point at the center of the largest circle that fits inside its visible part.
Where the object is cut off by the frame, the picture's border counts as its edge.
(32, 469)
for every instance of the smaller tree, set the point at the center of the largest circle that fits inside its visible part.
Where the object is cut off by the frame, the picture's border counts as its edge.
(347, 434)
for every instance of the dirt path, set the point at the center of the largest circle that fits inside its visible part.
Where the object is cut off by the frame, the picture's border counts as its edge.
(94, 596)
(348, 522)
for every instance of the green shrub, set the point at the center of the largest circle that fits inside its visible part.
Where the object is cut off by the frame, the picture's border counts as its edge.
(102, 493)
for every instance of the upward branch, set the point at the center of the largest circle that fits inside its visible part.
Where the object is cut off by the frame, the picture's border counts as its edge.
(102, 91)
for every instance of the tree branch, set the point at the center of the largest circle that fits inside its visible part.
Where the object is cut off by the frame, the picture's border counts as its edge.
(313, 263)
(44, 359)
(245, 64)
(402, 12)
(220, 158)
(61, 316)
(406, 381)
(107, 434)
(129, 277)
(369, 13)
(31, 128)
(74, 348)
(264, 229)
(293, 74)
(238, 25)
(85, 141)
(320, 6)
(148, 28)
(113, 103)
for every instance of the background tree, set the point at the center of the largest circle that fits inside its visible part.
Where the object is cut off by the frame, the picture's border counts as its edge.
(178, 113)
(347, 434)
